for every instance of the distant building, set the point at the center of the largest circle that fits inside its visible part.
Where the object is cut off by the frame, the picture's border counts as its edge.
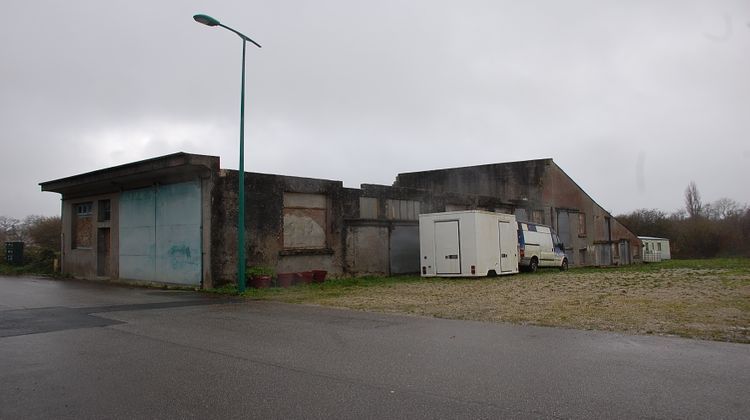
(172, 219)
(655, 249)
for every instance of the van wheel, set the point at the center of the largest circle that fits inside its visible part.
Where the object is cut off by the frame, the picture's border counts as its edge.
(533, 265)
(564, 265)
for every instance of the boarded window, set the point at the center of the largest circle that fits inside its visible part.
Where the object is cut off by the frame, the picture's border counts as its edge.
(368, 208)
(537, 216)
(82, 226)
(402, 209)
(581, 224)
(305, 221)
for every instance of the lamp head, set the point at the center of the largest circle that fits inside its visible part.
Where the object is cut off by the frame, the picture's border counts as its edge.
(206, 20)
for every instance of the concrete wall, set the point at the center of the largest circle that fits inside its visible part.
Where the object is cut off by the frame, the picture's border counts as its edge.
(300, 224)
(541, 192)
(312, 216)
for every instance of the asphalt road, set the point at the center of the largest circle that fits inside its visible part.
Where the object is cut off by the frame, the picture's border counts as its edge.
(82, 350)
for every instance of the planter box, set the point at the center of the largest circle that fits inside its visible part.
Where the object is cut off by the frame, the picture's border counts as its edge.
(260, 282)
(319, 276)
(305, 277)
(285, 279)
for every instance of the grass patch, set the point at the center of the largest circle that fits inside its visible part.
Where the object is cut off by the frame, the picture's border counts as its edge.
(706, 299)
(28, 269)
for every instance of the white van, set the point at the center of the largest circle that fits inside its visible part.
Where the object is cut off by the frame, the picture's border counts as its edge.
(539, 246)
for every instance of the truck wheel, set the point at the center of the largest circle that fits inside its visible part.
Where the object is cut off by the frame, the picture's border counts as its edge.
(533, 265)
(564, 265)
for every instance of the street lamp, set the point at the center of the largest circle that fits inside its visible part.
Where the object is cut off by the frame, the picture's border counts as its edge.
(209, 21)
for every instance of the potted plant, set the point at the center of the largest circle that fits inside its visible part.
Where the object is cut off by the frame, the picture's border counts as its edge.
(259, 277)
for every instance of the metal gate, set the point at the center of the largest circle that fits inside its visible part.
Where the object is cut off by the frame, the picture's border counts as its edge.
(160, 234)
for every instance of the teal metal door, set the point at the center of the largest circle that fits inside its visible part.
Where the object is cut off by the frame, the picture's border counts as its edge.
(178, 233)
(160, 234)
(137, 234)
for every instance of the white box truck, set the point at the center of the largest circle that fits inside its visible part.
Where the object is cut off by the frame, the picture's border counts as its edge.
(471, 243)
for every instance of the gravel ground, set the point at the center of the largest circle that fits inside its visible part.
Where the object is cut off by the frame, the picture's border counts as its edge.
(711, 304)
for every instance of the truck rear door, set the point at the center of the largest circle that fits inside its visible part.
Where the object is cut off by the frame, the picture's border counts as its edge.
(447, 247)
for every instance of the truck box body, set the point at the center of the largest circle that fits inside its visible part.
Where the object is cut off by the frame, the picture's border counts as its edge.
(470, 243)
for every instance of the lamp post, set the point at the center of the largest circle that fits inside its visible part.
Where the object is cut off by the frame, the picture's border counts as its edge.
(209, 21)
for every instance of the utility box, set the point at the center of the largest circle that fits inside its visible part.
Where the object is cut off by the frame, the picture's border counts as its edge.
(472, 243)
(14, 253)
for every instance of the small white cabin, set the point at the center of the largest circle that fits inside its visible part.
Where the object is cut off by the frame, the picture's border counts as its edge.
(655, 249)
(471, 243)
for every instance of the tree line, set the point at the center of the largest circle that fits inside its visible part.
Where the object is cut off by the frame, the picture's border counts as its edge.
(40, 235)
(700, 230)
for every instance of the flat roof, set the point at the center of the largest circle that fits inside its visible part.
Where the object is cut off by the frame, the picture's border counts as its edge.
(175, 166)
(652, 238)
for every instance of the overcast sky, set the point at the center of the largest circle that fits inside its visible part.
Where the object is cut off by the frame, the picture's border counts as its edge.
(633, 99)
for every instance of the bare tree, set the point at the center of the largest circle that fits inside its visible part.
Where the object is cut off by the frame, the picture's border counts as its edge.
(725, 208)
(10, 229)
(693, 203)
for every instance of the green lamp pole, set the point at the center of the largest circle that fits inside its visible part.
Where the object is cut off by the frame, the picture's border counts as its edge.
(209, 21)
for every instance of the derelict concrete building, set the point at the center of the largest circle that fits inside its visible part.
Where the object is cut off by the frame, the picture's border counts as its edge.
(173, 219)
(539, 191)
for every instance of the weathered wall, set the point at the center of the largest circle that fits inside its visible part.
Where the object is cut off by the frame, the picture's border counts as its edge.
(82, 261)
(510, 181)
(313, 217)
(538, 191)
(300, 224)
(602, 229)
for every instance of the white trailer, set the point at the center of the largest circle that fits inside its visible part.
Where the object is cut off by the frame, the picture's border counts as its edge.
(470, 243)
(655, 249)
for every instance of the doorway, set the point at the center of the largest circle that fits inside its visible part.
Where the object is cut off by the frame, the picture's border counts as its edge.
(103, 252)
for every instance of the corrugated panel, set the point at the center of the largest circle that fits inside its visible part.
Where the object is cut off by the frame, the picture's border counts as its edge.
(402, 209)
